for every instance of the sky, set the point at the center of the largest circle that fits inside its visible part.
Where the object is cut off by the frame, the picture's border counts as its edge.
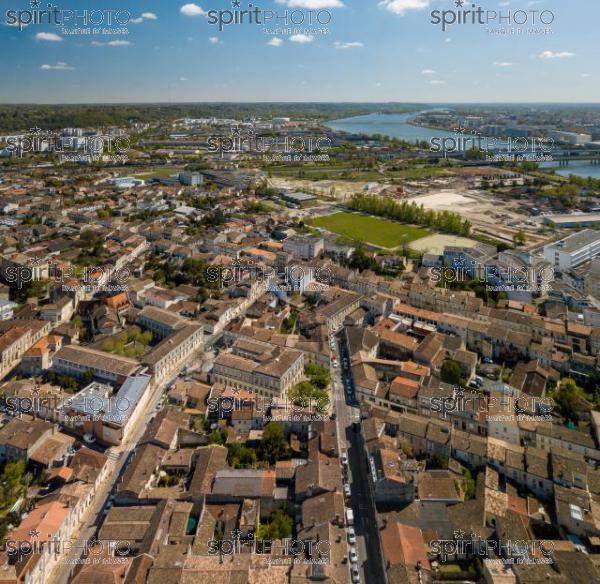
(360, 51)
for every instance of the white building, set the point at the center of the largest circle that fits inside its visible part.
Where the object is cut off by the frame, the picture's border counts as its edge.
(304, 247)
(574, 138)
(573, 250)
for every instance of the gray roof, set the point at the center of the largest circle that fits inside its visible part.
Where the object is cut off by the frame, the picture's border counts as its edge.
(95, 400)
(576, 241)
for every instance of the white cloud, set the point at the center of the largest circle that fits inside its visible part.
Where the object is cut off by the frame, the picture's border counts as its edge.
(437, 82)
(144, 16)
(302, 38)
(502, 64)
(59, 66)
(428, 72)
(586, 75)
(352, 45)
(312, 4)
(402, 6)
(556, 55)
(111, 44)
(192, 9)
(183, 79)
(275, 42)
(48, 36)
(213, 40)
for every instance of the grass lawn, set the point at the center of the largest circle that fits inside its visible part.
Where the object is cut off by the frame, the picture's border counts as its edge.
(370, 229)
(159, 172)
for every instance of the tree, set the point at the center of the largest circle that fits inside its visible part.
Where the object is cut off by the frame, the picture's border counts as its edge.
(88, 376)
(219, 438)
(241, 456)
(274, 445)
(519, 237)
(566, 399)
(320, 377)
(469, 485)
(279, 526)
(451, 372)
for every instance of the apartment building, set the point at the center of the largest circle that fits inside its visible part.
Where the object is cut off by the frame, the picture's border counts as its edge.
(159, 321)
(75, 360)
(272, 373)
(174, 350)
(304, 247)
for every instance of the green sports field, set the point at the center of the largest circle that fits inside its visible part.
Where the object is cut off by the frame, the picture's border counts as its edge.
(379, 232)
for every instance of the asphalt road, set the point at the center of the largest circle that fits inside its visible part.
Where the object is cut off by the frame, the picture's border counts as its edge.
(361, 501)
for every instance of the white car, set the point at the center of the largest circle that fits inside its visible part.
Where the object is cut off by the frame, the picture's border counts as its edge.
(344, 458)
(89, 438)
(355, 575)
(353, 556)
(351, 536)
(347, 491)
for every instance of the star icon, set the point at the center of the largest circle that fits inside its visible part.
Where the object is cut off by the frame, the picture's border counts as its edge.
(35, 131)
(34, 533)
(35, 3)
(459, 534)
(35, 389)
(459, 3)
(460, 129)
(236, 3)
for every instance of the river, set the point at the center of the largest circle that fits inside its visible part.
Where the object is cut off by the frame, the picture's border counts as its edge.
(398, 126)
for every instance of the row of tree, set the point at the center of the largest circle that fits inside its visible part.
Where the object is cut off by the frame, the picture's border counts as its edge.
(406, 212)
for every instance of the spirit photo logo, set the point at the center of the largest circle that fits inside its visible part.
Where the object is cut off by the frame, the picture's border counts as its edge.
(525, 277)
(294, 20)
(248, 271)
(469, 13)
(512, 551)
(240, 141)
(41, 141)
(293, 548)
(36, 544)
(532, 148)
(50, 14)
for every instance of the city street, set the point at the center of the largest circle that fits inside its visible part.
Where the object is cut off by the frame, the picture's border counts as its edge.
(348, 425)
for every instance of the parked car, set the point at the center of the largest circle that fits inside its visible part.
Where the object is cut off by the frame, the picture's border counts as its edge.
(344, 458)
(349, 517)
(347, 491)
(89, 438)
(355, 575)
(351, 536)
(353, 555)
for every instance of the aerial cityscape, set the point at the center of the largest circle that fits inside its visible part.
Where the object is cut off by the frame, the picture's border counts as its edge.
(299, 292)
